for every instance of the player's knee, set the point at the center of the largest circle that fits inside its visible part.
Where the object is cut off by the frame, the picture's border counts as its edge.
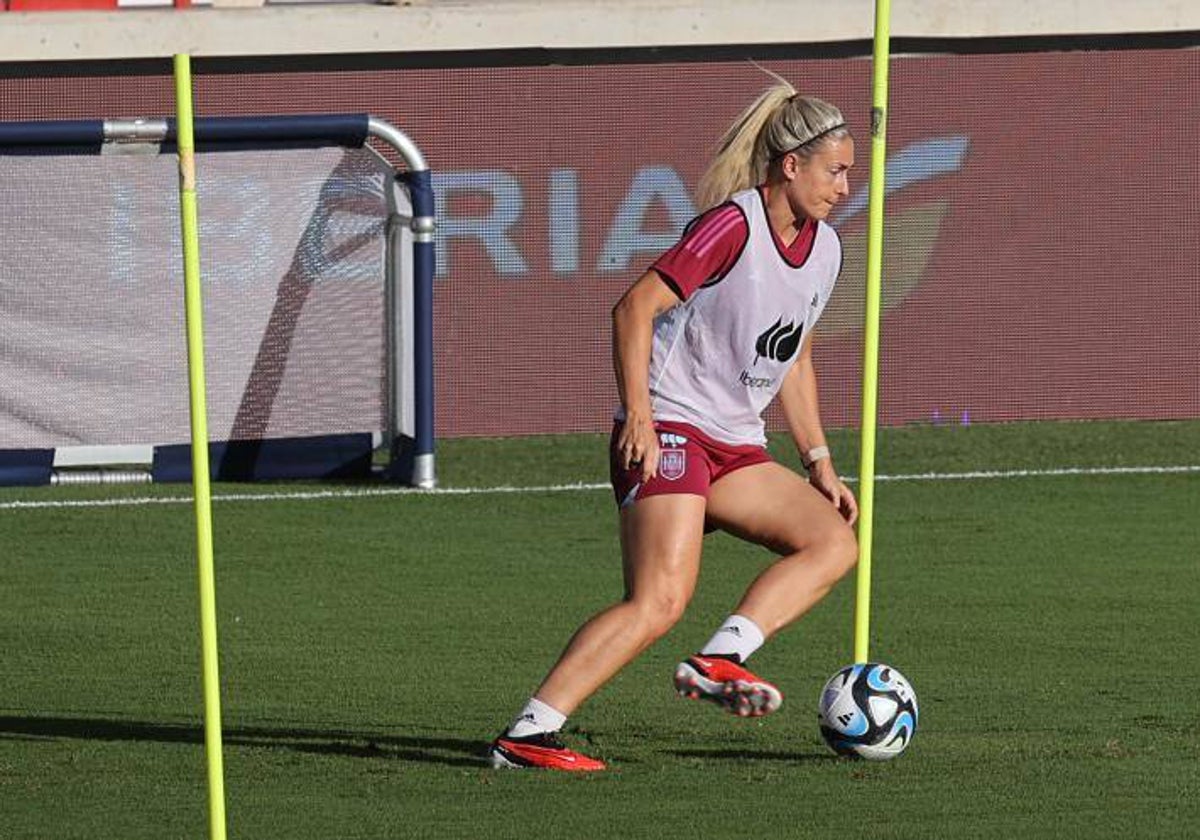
(659, 613)
(841, 546)
(834, 541)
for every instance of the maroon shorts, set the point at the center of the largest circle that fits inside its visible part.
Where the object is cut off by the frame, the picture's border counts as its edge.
(689, 462)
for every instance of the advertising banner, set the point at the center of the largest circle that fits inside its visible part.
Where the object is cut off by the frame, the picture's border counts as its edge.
(1040, 257)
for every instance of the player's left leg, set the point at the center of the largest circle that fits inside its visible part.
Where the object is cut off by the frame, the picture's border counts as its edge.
(772, 506)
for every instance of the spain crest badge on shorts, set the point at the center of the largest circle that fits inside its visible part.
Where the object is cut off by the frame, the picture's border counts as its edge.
(672, 463)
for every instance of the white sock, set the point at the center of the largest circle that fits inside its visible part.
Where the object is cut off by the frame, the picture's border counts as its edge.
(738, 636)
(535, 718)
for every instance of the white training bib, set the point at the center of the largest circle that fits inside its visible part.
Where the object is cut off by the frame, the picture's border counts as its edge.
(720, 357)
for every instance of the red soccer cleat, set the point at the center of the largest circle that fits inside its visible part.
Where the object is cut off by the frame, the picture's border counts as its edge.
(541, 750)
(728, 684)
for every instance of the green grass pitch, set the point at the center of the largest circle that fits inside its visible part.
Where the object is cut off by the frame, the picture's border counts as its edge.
(371, 646)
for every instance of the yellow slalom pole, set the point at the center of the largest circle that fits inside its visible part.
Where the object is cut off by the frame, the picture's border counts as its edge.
(199, 416)
(870, 393)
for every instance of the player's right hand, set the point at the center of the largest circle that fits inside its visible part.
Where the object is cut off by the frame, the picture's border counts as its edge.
(638, 445)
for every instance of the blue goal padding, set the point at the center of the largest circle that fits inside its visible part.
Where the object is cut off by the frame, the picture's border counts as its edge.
(310, 129)
(211, 133)
(25, 467)
(328, 456)
(52, 133)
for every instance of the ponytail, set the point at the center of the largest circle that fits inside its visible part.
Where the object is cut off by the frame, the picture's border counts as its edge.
(777, 122)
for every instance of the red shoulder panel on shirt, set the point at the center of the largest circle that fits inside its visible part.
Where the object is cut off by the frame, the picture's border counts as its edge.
(709, 247)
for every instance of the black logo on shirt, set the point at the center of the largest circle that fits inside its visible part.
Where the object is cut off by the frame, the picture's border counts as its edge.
(755, 381)
(779, 341)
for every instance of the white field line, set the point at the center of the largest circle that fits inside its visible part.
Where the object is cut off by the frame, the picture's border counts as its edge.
(368, 492)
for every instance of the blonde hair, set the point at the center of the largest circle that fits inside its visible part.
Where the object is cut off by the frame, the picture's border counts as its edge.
(777, 122)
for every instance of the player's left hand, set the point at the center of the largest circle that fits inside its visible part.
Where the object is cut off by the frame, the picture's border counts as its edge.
(825, 478)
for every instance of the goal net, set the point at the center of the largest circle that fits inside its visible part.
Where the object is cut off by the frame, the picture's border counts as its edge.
(307, 270)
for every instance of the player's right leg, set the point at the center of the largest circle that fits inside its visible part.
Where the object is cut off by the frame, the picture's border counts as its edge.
(661, 538)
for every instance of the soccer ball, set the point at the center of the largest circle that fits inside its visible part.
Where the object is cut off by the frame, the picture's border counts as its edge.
(868, 710)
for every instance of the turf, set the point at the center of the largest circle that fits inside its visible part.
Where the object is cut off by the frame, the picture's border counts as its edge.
(372, 646)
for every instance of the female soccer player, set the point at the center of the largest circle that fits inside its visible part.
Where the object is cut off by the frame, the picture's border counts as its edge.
(718, 327)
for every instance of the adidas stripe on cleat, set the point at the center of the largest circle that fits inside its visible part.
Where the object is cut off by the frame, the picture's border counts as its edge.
(541, 750)
(728, 684)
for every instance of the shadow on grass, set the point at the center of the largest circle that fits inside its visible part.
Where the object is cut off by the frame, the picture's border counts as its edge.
(758, 755)
(356, 744)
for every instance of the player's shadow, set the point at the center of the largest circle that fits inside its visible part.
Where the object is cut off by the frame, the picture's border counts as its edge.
(455, 752)
(758, 756)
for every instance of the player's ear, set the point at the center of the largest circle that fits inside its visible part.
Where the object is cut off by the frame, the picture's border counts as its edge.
(790, 163)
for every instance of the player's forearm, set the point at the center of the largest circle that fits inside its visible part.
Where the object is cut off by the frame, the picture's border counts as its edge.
(632, 332)
(801, 408)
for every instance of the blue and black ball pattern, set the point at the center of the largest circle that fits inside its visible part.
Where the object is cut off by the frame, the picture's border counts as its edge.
(868, 710)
